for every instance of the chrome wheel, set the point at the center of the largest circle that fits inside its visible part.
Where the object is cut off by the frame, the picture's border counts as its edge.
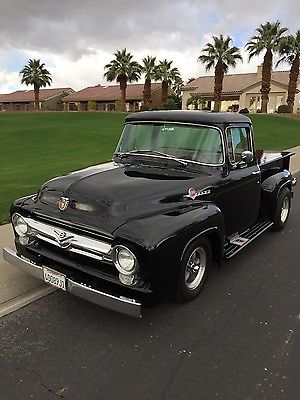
(195, 268)
(285, 209)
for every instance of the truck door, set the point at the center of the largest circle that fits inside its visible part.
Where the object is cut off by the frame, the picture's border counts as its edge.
(240, 198)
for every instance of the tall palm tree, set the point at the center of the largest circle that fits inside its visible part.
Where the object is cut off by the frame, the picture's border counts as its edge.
(168, 76)
(220, 56)
(268, 38)
(123, 70)
(35, 73)
(289, 50)
(149, 69)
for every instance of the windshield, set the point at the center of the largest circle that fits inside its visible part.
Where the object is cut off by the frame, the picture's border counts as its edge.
(186, 142)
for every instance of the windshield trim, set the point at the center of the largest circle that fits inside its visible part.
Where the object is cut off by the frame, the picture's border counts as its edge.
(181, 123)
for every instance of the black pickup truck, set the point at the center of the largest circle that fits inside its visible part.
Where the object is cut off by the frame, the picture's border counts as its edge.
(184, 189)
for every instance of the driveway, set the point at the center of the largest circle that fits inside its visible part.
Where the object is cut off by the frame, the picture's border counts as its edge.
(239, 340)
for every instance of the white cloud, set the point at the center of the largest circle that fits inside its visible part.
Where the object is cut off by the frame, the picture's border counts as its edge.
(76, 39)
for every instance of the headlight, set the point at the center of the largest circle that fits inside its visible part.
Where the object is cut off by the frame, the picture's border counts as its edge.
(20, 225)
(124, 260)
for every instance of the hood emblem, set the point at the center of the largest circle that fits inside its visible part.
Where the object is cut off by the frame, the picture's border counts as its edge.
(63, 203)
(192, 193)
(63, 239)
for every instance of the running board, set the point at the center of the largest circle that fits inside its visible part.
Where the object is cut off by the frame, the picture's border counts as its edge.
(237, 242)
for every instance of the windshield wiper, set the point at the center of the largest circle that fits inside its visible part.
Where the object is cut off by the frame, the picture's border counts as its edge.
(152, 152)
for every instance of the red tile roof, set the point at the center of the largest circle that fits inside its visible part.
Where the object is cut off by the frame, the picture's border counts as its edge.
(234, 83)
(28, 95)
(110, 93)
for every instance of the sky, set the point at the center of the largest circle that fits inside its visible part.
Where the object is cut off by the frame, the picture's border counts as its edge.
(76, 39)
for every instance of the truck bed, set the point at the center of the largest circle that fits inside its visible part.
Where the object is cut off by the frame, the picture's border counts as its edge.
(267, 159)
(271, 162)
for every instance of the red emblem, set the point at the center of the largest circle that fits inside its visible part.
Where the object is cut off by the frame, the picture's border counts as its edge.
(63, 203)
(192, 193)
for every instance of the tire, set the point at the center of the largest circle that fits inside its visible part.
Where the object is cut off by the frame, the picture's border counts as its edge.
(190, 282)
(282, 209)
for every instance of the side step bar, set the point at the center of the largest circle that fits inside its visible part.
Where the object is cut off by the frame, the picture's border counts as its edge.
(237, 242)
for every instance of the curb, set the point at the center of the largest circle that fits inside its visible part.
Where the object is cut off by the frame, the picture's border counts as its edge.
(25, 299)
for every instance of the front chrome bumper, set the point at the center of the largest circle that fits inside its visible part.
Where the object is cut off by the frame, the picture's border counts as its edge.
(121, 304)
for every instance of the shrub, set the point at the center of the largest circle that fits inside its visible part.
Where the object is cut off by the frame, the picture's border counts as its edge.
(283, 109)
(244, 111)
(91, 105)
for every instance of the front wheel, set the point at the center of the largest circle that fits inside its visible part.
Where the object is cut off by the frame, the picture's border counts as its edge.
(194, 270)
(282, 209)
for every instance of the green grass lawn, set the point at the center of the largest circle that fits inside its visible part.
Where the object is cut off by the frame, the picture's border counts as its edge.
(37, 146)
(276, 132)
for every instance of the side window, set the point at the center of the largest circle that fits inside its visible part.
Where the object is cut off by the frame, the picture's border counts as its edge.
(238, 141)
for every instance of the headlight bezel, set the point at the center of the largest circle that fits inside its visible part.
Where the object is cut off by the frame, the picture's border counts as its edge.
(21, 232)
(116, 261)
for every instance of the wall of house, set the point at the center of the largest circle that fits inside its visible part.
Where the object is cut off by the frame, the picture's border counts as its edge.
(156, 98)
(53, 104)
(185, 97)
(252, 98)
(297, 103)
(20, 106)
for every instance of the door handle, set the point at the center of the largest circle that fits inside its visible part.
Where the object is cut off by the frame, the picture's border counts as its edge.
(255, 172)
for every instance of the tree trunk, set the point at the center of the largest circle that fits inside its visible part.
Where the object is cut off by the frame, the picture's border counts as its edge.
(36, 98)
(123, 86)
(164, 91)
(147, 94)
(266, 80)
(219, 76)
(293, 83)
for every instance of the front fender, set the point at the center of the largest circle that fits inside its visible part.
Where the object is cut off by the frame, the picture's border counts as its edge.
(153, 231)
(163, 239)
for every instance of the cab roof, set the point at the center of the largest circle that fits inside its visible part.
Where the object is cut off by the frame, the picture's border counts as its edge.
(188, 116)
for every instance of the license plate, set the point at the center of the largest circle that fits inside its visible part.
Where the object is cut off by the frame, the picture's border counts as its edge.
(55, 278)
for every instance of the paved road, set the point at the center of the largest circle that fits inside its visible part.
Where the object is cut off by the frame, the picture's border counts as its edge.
(239, 340)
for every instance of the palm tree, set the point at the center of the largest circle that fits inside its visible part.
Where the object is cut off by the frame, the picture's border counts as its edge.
(177, 85)
(148, 69)
(123, 70)
(268, 38)
(168, 76)
(195, 99)
(221, 56)
(289, 50)
(35, 73)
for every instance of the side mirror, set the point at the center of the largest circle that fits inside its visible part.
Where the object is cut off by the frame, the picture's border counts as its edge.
(246, 157)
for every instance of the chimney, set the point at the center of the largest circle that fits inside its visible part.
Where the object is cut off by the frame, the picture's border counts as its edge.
(259, 71)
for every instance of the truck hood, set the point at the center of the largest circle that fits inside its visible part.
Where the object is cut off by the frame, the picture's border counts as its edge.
(106, 196)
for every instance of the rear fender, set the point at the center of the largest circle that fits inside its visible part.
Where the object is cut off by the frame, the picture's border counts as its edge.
(271, 188)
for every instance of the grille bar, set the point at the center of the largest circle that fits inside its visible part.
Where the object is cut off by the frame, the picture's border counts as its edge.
(66, 239)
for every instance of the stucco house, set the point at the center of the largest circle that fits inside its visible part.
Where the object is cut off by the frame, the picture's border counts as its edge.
(107, 98)
(243, 91)
(23, 100)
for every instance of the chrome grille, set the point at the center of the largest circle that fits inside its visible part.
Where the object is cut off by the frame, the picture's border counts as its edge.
(70, 241)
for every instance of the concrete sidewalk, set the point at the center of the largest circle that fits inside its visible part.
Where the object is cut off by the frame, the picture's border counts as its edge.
(18, 289)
